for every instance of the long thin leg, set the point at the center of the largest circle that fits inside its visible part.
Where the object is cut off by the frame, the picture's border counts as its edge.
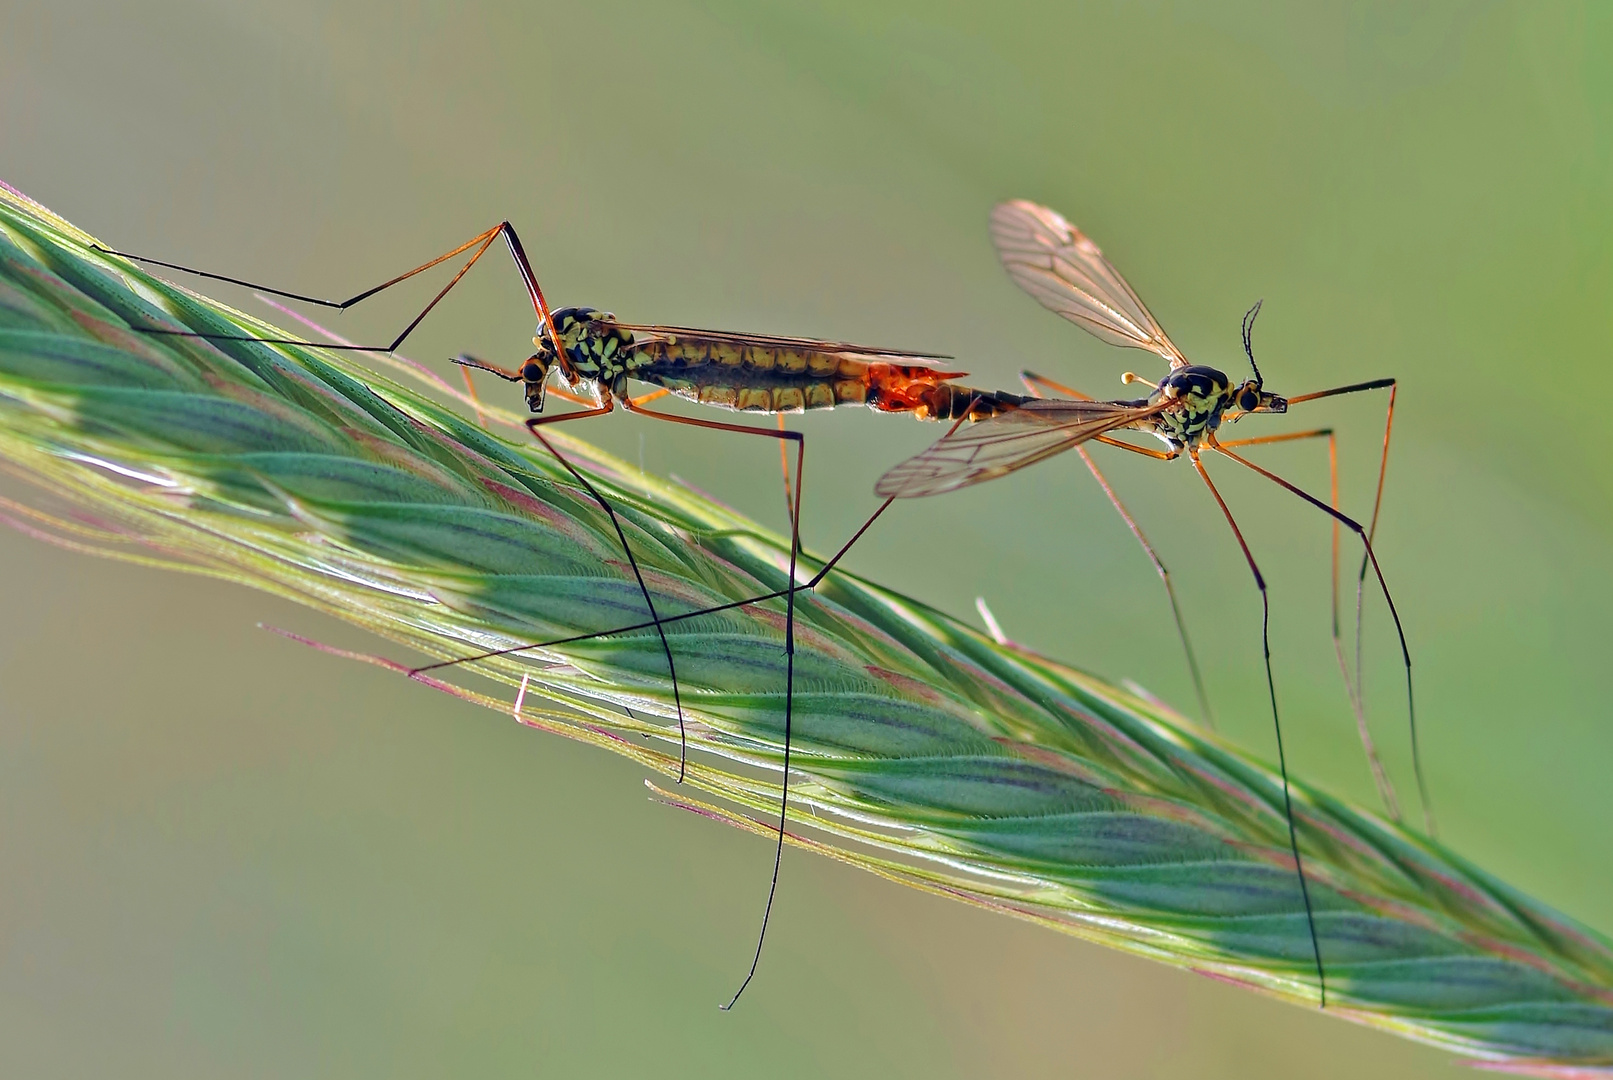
(481, 242)
(1377, 502)
(475, 399)
(784, 464)
(606, 404)
(1405, 650)
(1380, 776)
(1164, 577)
(811, 584)
(604, 407)
(784, 436)
(1361, 578)
(566, 395)
(823, 572)
(638, 575)
(1157, 455)
(1333, 474)
(653, 395)
(483, 238)
(789, 626)
(1287, 436)
(1353, 388)
(1383, 462)
(1372, 535)
(1036, 383)
(1271, 689)
(808, 586)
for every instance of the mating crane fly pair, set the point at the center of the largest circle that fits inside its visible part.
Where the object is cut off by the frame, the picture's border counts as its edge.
(588, 357)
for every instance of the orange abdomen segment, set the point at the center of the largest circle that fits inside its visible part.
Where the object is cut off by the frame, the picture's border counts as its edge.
(931, 395)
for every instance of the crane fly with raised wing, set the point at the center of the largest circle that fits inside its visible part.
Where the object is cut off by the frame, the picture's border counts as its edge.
(1185, 410)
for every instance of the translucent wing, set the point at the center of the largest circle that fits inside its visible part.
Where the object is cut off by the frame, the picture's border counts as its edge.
(1008, 441)
(696, 336)
(1056, 263)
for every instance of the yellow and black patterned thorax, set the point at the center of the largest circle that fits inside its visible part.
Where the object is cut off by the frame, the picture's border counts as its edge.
(596, 348)
(1202, 394)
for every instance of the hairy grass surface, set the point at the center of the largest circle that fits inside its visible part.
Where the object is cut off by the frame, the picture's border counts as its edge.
(922, 751)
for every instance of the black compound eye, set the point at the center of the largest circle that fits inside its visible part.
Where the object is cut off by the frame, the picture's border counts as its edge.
(1248, 401)
(532, 372)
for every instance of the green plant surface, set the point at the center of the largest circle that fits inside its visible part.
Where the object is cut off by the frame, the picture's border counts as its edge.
(921, 751)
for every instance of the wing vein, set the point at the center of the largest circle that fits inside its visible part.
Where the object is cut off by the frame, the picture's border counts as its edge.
(1007, 442)
(1066, 272)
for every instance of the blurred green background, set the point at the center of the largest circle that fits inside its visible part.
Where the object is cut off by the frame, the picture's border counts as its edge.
(226, 855)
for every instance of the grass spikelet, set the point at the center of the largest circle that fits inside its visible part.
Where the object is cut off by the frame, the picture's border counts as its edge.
(923, 751)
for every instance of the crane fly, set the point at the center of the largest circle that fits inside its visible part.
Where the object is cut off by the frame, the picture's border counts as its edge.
(587, 357)
(1067, 273)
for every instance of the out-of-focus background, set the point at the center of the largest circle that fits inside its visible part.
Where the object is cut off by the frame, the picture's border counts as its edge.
(221, 854)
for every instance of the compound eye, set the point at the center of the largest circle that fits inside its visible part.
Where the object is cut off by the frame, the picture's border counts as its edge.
(532, 372)
(1248, 401)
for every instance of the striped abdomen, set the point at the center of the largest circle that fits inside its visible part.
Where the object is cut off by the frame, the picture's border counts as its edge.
(752, 378)
(950, 401)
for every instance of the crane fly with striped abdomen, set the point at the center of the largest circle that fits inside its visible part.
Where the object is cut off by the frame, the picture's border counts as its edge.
(588, 357)
(1066, 272)
(744, 373)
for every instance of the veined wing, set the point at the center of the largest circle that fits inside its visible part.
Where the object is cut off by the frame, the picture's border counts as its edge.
(772, 341)
(1056, 263)
(1011, 440)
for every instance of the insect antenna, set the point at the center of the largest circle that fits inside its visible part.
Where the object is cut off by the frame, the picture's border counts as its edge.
(465, 360)
(1248, 342)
